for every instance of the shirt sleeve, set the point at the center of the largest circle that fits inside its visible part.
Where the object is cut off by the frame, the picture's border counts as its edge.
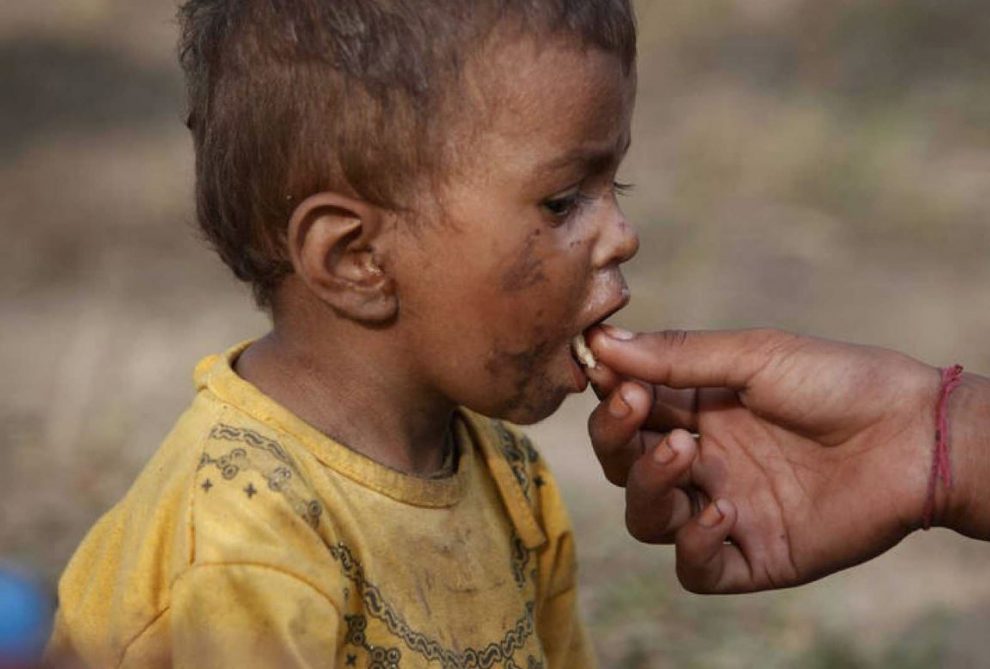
(231, 615)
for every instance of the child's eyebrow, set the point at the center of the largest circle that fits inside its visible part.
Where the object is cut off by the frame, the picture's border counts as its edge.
(594, 158)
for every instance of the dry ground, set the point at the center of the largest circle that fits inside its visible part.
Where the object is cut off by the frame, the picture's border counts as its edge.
(823, 167)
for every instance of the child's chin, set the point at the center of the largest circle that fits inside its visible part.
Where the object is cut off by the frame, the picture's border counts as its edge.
(533, 410)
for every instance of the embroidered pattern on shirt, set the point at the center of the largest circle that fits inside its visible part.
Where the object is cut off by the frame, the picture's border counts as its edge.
(519, 453)
(520, 558)
(470, 658)
(252, 438)
(379, 657)
(278, 478)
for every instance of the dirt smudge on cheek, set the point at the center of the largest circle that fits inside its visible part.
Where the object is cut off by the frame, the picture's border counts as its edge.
(525, 270)
(519, 360)
(521, 363)
(522, 370)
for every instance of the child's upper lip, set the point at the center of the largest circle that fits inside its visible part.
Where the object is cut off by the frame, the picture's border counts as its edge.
(621, 300)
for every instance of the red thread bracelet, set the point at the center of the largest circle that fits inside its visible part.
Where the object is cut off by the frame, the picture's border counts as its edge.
(941, 467)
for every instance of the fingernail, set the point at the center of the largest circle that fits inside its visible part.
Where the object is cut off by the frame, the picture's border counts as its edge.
(680, 440)
(617, 406)
(711, 516)
(618, 333)
(664, 454)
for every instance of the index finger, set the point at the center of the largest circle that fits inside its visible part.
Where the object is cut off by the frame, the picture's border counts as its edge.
(689, 359)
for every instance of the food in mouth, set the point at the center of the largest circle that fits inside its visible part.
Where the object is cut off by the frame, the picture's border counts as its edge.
(583, 353)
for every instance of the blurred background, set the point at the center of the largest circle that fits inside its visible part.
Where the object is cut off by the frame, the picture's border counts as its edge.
(817, 166)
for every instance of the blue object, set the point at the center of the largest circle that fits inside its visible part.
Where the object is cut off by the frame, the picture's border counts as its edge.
(25, 619)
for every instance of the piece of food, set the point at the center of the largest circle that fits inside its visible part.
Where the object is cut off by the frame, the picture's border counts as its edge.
(582, 352)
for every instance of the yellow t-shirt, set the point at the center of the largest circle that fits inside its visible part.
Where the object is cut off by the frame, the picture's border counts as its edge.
(253, 540)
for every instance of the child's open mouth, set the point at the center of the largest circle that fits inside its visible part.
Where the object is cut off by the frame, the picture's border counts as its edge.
(581, 354)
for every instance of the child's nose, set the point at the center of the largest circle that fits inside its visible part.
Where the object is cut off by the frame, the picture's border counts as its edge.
(617, 243)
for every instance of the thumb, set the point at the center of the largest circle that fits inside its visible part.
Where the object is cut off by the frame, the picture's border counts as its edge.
(689, 359)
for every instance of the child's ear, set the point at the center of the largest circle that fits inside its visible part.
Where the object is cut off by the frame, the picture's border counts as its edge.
(335, 245)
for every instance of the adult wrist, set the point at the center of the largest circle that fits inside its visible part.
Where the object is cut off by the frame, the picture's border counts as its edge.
(966, 504)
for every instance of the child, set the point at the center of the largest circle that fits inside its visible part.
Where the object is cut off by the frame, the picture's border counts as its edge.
(422, 194)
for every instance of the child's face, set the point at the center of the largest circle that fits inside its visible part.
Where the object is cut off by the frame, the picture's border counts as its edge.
(527, 255)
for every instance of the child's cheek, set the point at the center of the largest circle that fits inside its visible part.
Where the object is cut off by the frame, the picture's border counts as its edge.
(524, 268)
(540, 288)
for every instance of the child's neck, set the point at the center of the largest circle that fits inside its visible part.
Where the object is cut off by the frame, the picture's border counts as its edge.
(351, 390)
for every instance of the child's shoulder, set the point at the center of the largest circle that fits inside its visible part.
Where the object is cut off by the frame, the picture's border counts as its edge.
(245, 454)
(245, 489)
(224, 494)
(247, 463)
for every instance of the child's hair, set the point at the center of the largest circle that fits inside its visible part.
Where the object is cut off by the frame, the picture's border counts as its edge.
(292, 97)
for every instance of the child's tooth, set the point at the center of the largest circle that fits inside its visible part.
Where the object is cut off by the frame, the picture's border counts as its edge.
(583, 353)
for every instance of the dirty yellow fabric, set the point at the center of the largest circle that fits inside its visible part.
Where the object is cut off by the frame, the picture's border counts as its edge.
(252, 540)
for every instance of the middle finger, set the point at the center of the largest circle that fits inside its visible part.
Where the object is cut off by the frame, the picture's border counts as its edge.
(659, 496)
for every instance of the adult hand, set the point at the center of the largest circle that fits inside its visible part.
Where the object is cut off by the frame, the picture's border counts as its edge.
(812, 456)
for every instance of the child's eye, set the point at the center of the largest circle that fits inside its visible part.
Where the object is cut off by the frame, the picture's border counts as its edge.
(621, 189)
(566, 205)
